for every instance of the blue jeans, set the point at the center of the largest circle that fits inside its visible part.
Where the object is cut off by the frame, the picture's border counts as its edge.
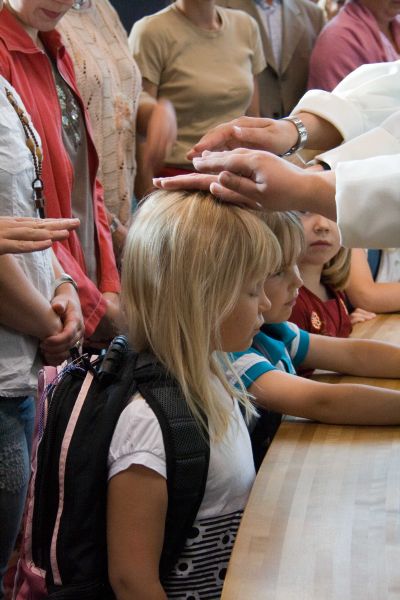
(17, 416)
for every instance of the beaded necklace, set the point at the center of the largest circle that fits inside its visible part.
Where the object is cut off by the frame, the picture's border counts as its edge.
(35, 150)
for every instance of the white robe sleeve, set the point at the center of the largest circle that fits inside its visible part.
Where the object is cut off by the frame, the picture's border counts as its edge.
(362, 101)
(368, 202)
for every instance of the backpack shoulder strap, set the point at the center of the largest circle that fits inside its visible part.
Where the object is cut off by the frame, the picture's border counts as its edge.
(187, 455)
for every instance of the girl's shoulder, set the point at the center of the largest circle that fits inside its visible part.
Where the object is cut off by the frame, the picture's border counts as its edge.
(137, 439)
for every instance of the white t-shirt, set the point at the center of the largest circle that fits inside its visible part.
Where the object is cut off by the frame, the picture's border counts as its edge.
(200, 570)
(19, 357)
(389, 266)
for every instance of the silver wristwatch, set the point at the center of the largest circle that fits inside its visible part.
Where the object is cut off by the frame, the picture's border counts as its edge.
(302, 135)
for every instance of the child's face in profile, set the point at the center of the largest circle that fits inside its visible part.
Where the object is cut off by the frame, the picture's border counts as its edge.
(244, 321)
(322, 241)
(282, 290)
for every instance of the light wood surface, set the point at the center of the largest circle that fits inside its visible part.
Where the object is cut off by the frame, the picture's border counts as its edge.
(385, 328)
(323, 518)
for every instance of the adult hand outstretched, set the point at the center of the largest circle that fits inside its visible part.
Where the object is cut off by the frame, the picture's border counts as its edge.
(26, 234)
(248, 132)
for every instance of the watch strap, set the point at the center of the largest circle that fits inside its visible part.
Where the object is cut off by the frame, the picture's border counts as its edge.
(302, 135)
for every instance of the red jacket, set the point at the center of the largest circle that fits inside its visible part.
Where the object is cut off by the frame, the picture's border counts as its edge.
(29, 70)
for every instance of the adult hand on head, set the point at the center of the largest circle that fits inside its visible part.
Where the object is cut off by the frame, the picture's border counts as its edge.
(26, 234)
(254, 178)
(275, 136)
(247, 177)
(259, 179)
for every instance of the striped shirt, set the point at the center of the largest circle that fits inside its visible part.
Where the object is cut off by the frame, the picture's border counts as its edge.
(281, 346)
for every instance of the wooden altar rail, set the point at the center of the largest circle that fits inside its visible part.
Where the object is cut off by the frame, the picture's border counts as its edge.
(323, 518)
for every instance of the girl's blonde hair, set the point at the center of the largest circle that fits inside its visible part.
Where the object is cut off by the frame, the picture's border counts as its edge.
(335, 272)
(287, 228)
(186, 260)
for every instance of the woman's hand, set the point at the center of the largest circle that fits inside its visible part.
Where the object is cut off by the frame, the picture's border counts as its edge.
(26, 234)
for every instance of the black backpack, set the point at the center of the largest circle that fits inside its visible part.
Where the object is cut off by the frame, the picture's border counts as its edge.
(65, 530)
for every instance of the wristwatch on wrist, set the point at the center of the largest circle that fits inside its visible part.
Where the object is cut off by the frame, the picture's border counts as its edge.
(302, 135)
(64, 278)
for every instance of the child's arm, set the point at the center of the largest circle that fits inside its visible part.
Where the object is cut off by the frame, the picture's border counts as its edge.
(364, 292)
(345, 404)
(137, 506)
(363, 358)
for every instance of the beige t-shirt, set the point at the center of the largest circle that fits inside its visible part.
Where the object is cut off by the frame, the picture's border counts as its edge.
(110, 83)
(207, 75)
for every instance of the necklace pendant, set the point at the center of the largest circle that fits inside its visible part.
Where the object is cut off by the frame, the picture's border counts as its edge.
(37, 186)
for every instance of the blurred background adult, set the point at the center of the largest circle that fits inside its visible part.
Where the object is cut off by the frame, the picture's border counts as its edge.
(110, 84)
(34, 60)
(204, 59)
(288, 29)
(364, 31)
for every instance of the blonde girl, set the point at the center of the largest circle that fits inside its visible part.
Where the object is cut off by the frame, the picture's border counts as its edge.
(268, 368)
(193, 275)
(324, 268)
